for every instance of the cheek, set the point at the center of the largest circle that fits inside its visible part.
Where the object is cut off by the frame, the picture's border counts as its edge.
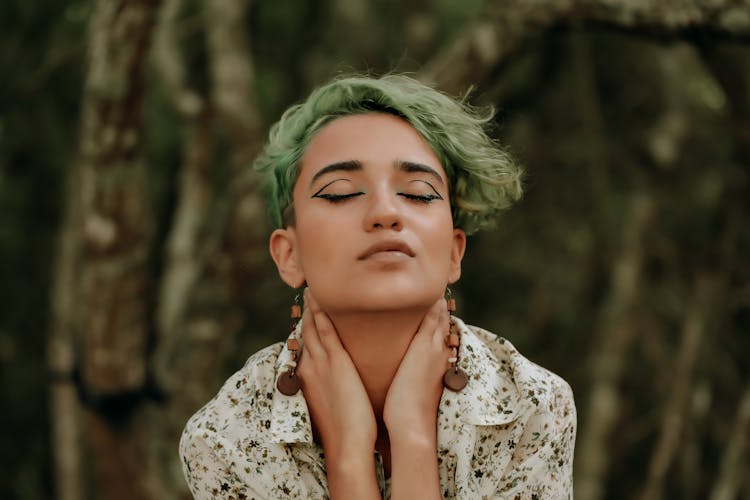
(320, 245)
(439, 242)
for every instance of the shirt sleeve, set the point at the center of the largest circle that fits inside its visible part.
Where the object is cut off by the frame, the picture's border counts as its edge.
(542, 463)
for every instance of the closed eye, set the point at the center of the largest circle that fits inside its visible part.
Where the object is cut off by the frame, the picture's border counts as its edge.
(422, 198)
(419, 195)
(336, 198)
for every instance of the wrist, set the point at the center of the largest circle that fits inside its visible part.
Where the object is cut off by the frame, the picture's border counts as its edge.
(413, 442)
(413, 429)
(352, 476)
(414, 467)
(349, 461)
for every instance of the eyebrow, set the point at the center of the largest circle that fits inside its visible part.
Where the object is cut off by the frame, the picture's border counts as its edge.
(410, 166)
(346, 166)
(355, 165)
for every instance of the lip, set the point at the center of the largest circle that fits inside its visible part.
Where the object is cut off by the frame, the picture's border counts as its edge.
(387, 246)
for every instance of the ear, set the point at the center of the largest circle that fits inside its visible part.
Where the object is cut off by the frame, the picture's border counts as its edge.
(458, 248)
(285, 253)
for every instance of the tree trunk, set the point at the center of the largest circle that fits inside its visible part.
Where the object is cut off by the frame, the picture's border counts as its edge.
(108, 213)
(616, 332)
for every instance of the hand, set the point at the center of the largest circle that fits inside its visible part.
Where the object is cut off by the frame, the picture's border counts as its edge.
(412, 402)
(339, 406)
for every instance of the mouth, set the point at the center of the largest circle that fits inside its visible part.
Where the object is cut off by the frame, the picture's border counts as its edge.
(387, 246)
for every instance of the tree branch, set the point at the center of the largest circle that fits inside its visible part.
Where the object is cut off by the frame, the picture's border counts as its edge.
(61, 360)
(200, 307)
(727, 485)
(506, 26)
(233, 75)
(183, 263)
(673, 414)
(168, 62)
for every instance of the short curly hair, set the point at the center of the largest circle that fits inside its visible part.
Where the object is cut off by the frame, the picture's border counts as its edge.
(483, 178)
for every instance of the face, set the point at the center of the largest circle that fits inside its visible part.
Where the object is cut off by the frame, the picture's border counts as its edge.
(373, 228)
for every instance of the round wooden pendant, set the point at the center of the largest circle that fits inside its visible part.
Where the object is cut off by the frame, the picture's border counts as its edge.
(288, 384)
(455, 379)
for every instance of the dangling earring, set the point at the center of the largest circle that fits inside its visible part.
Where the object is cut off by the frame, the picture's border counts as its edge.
(455, 378)
(289, 383)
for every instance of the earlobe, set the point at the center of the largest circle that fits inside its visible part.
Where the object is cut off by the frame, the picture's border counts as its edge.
(457, 254)
(283, 248)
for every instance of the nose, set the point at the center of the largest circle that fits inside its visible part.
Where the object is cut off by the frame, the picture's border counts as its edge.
(383, 213)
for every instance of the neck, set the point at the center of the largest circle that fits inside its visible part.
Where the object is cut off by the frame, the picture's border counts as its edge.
(377, 342)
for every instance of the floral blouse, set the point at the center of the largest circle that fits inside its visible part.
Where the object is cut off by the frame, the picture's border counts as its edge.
(508, 434)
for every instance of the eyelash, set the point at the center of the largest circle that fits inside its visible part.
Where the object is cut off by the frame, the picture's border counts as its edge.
(422, 198)
(338, 198)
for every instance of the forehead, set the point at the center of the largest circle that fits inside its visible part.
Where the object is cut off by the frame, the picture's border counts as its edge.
(375, 139)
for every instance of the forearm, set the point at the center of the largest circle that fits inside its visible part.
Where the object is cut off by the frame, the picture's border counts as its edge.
(414, 468)
(411, 407)
(352, 477)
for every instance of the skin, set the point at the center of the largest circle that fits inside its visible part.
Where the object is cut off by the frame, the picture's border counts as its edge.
(374, 320)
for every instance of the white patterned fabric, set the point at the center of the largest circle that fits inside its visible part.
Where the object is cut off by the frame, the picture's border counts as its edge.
(508, 434)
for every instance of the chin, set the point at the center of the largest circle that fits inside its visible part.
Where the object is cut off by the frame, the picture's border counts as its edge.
(376, 299)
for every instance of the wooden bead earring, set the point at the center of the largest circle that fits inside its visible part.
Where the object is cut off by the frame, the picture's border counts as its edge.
(289, 383)
(455, 378)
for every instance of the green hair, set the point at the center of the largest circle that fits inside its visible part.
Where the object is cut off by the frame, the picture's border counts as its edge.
(483, 178)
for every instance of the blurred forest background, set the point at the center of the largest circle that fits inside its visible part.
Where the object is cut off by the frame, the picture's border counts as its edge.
(134, 269)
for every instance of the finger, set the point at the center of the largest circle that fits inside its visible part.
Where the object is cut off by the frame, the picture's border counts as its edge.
(329, 338)
(430, 320)
(310, 336)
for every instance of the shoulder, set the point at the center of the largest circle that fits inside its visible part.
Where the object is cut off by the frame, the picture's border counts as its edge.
(242, 407)
(535, 385)
(524, 439)
(227, 447)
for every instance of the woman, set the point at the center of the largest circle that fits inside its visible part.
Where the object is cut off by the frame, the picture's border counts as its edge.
(373, 185)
